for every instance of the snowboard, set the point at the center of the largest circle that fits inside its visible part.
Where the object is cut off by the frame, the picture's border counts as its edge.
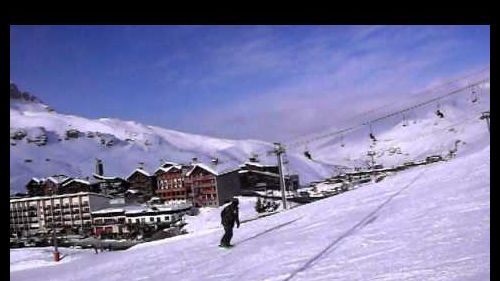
(226, 247)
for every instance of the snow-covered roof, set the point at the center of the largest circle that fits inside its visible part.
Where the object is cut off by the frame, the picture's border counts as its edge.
(168, 164)
(163, 169)
(37, 180)
(76, 180)
(256, 164)
(133, 191)
(259, 172)
(58, 179)
(139, 170)
(216, 170)
(105, 178)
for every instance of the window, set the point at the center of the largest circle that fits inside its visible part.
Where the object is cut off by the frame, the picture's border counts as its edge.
(167, 218)
(152, 219)
(158, 219)
(143, 219)
(136, 220)
(129, 220)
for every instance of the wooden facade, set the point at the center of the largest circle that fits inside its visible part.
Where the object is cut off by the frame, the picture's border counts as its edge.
(140, 180)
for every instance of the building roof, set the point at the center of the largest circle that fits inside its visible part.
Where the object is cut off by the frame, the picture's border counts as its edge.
(256, 164)
(138, 209)
(139, 170)
(37, 180)
(99, 177)
(216, 170)
(61, 196)
(167, 169)
(76, 180)
(58, 179)
(168, 164)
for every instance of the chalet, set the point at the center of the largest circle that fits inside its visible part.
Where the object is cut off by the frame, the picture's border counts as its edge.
(142, 181)
(212, 185)
(53, 184)
(170, 183)
(35, 187)
(75, 186)
(110, 185)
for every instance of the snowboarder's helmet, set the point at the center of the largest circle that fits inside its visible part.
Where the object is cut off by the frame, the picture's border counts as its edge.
(235, 201)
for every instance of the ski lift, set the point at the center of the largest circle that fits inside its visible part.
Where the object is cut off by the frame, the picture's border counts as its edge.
(307, 154)
(371, 134)
(438, 111)
(474, 96)
(405, 122)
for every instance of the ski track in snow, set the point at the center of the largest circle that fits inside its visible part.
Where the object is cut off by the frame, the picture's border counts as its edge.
(410, 226)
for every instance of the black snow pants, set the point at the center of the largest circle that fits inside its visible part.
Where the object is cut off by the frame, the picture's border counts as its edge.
(228, 234)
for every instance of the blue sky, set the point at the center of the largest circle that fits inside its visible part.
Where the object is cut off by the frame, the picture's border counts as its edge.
(259, 82)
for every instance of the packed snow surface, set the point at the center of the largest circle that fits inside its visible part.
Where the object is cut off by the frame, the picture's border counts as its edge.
(426, 223)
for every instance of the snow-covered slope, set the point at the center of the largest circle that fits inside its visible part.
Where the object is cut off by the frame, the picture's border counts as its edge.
(412, 136)
(47, 149)
(426, 223)
(45, 142)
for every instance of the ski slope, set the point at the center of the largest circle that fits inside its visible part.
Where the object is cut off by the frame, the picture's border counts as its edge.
(426, 223)
(122, 145)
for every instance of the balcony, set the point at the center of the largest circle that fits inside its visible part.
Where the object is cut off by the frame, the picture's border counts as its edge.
(107, 223)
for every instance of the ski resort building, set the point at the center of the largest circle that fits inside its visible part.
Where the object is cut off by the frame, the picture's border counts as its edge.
(212, 185)
(170, 183)
(32, 215)
(142, 181)
(77, 185)
(110, 185)
(46, 186)
(255, 176)
(120, 220)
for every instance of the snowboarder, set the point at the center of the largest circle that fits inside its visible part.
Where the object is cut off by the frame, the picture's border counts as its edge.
(229, 216)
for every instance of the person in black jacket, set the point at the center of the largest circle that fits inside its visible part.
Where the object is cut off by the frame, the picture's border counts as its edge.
(229, 216)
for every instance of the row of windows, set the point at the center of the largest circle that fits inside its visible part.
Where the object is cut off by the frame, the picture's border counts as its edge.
(151, 219)
(175, 193)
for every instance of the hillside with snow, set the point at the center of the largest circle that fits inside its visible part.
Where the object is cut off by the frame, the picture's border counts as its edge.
(45, 142)
(426, 223)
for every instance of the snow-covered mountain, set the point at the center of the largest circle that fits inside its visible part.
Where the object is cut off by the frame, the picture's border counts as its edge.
(45, 142)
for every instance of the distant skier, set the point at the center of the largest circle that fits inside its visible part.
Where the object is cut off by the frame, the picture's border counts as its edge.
(229, 216)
